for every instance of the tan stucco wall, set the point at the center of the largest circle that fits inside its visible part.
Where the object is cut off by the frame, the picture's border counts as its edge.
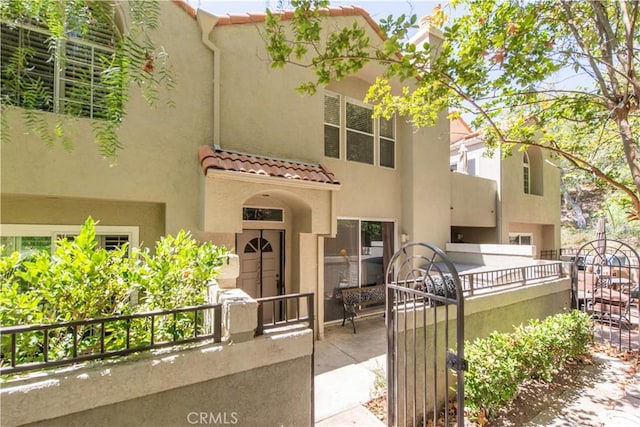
(262, 114)
(497, 255)
(515, 210)
(503, 310)
(250, 398)
(159, 161)
(251, 378)
(224, 198)
(521, 208)
(473, 201)
(72, 211)
(426, 188)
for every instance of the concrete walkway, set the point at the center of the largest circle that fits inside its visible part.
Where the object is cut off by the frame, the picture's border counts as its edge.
(349, 368)
(346, 367)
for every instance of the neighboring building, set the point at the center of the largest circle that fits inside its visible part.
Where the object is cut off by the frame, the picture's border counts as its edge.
(515, 200)
(310, 191)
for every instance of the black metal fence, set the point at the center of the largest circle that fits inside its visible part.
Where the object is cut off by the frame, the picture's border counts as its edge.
(34, 347)
(492, 280)
(286, 310)
(425, 336)
(557, 254)
(606, 284)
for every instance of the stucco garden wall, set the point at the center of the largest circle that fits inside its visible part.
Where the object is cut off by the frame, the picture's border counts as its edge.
(244, 381)
(248, 398)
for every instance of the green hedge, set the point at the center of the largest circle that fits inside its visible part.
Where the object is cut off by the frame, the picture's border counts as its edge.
(499, 363)
(82, 281)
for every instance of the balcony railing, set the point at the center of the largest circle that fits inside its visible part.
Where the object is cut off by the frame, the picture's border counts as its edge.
(34, 347)
(493, 280)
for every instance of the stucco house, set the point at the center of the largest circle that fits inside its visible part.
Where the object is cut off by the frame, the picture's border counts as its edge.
(513, 200)
(311, 192)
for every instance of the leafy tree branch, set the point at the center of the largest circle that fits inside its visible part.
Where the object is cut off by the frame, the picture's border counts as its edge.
(72, 58)
(502, 60)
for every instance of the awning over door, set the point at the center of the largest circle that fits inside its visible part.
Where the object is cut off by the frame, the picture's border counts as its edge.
(231, 178)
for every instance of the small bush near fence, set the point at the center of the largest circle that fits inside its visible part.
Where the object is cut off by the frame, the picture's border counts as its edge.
(83, 281)
(499, 363)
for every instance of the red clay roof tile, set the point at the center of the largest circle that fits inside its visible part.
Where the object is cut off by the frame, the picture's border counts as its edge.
(212, 158)
(251, 17)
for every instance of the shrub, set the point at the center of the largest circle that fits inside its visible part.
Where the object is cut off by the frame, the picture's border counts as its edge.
(81, 281)
(499, 363)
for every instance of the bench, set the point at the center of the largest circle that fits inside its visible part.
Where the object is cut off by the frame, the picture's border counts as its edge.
(358, 300)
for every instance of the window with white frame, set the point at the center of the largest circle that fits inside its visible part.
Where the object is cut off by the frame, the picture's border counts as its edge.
(332, 126)
(366, 140)
(360, 136)
(29, 238)
(520, 238)
(70, 82)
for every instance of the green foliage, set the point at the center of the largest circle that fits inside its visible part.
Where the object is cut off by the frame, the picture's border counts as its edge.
(499, 363)
(557, 74)
(134, 60)
(82, 281)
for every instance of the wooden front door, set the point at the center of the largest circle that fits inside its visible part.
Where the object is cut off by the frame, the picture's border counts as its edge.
(260, 254)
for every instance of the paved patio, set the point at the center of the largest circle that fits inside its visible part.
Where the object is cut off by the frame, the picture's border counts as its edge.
(348, 364)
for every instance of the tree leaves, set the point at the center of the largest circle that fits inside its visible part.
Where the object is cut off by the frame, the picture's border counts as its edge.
(524, 68)
(135, 60)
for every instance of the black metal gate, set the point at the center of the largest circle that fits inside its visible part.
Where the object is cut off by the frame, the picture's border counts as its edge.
(425, 333)
(605, 283)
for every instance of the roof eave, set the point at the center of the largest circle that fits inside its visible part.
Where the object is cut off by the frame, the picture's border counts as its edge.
(273, 180)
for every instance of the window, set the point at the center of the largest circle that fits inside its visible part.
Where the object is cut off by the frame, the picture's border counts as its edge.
(262, 214)
(356, 257)
(27, 238)
(387, 142)
(332, 126)
(520, 238)
(258, 245)
(359, 133)
(527, 173)
(367, 140)
(70, 82)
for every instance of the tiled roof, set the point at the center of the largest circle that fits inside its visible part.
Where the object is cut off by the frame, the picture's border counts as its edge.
(256, 17)
(214, 158)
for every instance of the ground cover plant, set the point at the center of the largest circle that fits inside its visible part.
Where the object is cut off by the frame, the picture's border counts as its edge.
(499, 363)
(80, 281)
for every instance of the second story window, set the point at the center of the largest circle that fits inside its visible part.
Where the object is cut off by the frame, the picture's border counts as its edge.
(359, 133)
(387, 142)
(332, 126)
(62, 76)
(526, 173)
(349, 126)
